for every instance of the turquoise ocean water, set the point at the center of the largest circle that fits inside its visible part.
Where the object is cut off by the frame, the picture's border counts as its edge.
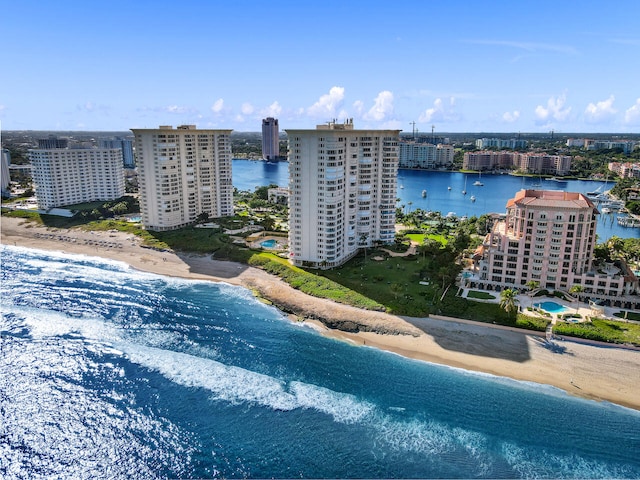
(106, 372)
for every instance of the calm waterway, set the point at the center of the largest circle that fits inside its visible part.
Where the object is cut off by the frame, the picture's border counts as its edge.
(489, 198)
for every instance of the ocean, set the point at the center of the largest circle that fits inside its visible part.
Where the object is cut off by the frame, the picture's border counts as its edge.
(491, 197)
(108, 372)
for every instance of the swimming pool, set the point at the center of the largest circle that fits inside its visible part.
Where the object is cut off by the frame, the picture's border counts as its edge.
(271, 243)
(551, 307)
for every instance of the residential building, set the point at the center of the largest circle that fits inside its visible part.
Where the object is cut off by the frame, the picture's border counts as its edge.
(5, 177)
(270, 139)
(278, 195)
(68, 176)
(626, 169)
(549, 237)
(124, 144)
(512, 143)
(425, 155)
(52, 142)
(183, 174)
(526, 162)
(342, 186)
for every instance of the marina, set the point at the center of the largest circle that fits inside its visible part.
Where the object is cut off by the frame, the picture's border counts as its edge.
(445, 192)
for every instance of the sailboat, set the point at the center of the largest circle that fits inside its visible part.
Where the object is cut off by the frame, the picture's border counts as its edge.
(478, 183)
(424, 193)
(464, 192)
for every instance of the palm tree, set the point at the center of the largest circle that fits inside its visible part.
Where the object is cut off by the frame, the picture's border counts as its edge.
(363, 241)
(509, 301)
(533, 284)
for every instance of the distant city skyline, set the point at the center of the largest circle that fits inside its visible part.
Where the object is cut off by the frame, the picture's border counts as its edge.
(493, 67)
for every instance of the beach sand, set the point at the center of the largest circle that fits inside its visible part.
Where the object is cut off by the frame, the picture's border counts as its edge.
(599, 373)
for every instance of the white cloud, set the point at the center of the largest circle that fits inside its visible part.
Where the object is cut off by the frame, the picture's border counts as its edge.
(440, 112)
(600, 111)
(272, 110)
(358, 107)
(247, 108)
(176, 109)
(553, 110)
(327, 104)
(632, 115)
(382, 107)
(511, 117)
(529, 46)
(217, 106)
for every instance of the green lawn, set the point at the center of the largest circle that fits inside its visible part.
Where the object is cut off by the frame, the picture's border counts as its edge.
(480, 295)
(628, 315)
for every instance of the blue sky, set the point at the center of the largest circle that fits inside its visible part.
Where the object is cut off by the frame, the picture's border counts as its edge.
(460, 66)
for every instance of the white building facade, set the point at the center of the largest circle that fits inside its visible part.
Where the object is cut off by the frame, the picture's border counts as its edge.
(343, 185)
(183, 174)
(68, 176)
(425, 155)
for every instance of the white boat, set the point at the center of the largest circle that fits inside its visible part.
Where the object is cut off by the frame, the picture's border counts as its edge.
(473, 198)
(477, 183)
(424, 193)
(464, 191)
(605, 210)
(401, 186)
(449, 188)
(450, 215)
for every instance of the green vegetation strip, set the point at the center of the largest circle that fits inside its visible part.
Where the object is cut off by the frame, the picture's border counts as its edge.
(609, 331)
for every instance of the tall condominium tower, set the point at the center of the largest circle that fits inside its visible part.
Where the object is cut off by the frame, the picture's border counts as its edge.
(124, 144)
(343, 192)
(67, 176)
(183, 174)
(270, 139)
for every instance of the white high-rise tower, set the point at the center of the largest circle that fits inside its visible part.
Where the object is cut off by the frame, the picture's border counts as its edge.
(343, 192)
(183, 174)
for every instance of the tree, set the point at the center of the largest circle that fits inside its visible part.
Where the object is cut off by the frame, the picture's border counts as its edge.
(533, 284)
(509, 301)
(396, 288)
(363, 242)
(202, 217)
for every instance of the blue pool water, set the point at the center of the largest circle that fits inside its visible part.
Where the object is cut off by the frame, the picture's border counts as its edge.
(271, 243)
(551, 307)
(108, 372)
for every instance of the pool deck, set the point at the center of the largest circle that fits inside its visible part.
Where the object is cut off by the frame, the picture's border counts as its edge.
(525, 301)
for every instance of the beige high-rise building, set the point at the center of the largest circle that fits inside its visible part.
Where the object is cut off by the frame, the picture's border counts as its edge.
(183, 174)
(548, 237)
(342, 186)
(68, 176)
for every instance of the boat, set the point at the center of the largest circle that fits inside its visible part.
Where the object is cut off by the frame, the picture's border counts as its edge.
(401, 186)
(473, 198)
(556, 179)
(605, 210)
(478, 183)
(424, 193)
(450, 215)
(449, 188)
(628, 221)
(464, 191)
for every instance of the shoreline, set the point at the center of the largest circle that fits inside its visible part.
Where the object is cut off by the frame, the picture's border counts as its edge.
(597, 373)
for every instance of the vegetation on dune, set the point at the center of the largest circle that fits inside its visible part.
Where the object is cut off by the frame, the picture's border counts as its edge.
(610, 331)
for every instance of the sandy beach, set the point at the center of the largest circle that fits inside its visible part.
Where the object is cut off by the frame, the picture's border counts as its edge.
(599, 373)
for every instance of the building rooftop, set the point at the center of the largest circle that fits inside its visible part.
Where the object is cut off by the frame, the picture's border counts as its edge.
(550, 199)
